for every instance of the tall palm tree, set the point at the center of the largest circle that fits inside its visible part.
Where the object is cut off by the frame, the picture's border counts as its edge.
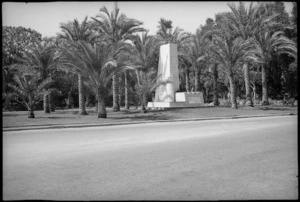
(266, 44)
(97, 64)
(145, 49)
(185, 69)
(215, 84)
(195, 53)
(43, 59)
(229, 51)
(74, 32)
(118, 29)
(243, 22)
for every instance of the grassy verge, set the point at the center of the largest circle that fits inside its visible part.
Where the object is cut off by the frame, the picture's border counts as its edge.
(71, 117)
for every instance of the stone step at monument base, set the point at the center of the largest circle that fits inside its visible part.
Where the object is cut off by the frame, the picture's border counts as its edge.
(173, 105)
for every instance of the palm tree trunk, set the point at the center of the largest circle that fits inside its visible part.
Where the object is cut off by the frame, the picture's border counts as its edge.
(101, 106)
(215, 84)
(120, 92)
(197, 79)
(233, 92)
(264, 86)
(7, 102)
(96, 105)
(82, 110)
(126, 90)
(115, 85)
(249, 101)
(69, 100)
(46, 103)
(207, 94)
(31, 112)
(187, 80)
(51, 102)
(144, 104)
(254, 93)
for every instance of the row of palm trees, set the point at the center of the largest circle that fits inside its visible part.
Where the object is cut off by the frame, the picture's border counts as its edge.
(113, 46)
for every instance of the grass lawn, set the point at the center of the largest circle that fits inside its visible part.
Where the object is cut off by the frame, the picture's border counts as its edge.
(71, 117)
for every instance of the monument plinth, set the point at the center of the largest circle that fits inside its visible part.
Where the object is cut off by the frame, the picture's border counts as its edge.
(168, 80)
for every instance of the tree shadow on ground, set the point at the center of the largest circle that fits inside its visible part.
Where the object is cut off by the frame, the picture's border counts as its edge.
(145, 117)
(276, 108)
(55, 117)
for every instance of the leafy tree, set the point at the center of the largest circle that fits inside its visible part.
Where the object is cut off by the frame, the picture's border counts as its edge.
(145, 50)
(43, 60)
(29, 89)
(96, 63)
(147, 82)
(209, 61)
(73, 32)
(15, 40)
(243, 23)
(267, 43)
(229, 51)
(118, 29)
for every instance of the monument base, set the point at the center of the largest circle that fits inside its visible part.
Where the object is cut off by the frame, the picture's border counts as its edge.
(173, 105)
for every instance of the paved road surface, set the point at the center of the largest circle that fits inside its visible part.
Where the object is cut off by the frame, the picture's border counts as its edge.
(252, 158)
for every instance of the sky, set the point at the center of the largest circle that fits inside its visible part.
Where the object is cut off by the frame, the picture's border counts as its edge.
(46, 17)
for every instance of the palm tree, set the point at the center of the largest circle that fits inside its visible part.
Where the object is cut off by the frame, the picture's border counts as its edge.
(229, 51)
(266, 44)
(74, 32)
(43, 59)
(195, 53)
(118, 29)
(147, 82)
(145, 49)
(29, 88)
(243, 22)
(215, 84)
(97, 64)
(184, 69)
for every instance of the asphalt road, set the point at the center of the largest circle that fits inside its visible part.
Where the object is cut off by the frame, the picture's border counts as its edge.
(252, 158)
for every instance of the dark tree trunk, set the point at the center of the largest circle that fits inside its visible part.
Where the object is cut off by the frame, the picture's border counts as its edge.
(249, 101)
(120, 92)
(7, 102)
(126, 90)
(144, 104)
(197, 79)
(82, 110)
(233, 92)
(264, 86)
(69, 100)
(207, 94)
(187, 79)
(115, 85)
(46, 103)
(96, 105)
(215, 84)
(31, 112)
(51, 102)
(101, 106)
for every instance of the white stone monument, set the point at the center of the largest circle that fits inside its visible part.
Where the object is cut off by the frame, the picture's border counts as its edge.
(165, 93)
(168, 74)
